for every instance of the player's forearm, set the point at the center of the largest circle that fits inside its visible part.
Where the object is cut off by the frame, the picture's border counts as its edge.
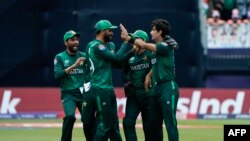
(147, 46)
(123, 53)
(149, 75)
(59, 73)
(124, 48)
(147, 81)
(78, 62)
(70, 68)
(142, 44)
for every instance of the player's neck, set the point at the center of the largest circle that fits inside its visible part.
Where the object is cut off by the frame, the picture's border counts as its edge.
(70, 52)
(158, 40)
(100, 38)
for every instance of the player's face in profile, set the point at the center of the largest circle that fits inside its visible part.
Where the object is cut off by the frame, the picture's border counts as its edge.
(72, 44)
(154, 33)
(107, 35)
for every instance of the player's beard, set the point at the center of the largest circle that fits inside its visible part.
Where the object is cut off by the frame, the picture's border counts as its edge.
(73, 49)
(107, 38)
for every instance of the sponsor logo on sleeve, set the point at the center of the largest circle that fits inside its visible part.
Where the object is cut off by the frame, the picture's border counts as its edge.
(101, 47)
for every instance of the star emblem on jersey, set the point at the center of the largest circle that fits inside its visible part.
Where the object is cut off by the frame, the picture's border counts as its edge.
(84, 104)
(145, 58)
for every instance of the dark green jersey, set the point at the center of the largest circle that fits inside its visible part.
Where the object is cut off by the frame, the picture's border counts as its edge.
(163, 65)
(101, 57)
(138, 67)
(75, 78)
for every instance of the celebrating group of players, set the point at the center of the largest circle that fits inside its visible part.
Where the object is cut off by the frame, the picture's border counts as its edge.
(149, 78)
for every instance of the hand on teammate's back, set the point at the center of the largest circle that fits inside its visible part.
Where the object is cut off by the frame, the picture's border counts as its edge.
(171, 42)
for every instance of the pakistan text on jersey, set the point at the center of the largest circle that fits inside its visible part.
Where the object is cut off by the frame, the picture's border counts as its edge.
(140, 66)
(76, 71)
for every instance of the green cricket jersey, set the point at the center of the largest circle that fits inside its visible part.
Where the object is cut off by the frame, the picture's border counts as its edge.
(163, 65)
(75, 78)
(101, 57)
(139, 66)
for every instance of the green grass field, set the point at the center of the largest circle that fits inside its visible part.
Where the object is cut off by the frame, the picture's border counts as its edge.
(189, 130)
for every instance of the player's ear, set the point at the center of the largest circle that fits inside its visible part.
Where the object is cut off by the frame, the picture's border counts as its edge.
(160, 32)
(65, 43)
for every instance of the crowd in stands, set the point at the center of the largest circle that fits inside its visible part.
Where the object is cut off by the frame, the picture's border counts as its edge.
(228, 23)
(226, 6)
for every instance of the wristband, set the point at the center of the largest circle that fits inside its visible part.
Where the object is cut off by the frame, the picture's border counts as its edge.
(131, 40)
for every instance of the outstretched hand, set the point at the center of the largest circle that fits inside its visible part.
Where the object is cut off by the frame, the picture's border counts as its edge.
(124, 32)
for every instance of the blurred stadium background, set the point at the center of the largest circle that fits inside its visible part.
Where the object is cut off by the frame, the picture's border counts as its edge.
(32, 33)
(214, 80)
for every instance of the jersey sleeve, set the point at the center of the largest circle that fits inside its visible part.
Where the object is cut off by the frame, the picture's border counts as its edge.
(110, 54)
(58, 67)
(162, 48)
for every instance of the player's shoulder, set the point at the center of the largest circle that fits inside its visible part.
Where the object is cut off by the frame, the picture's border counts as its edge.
(100, 46)
(61, 54)
(94, 44)
(163, 44)
(82, 54)
(162, 48)
(111, 44)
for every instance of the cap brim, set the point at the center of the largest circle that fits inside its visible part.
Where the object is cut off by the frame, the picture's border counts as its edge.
(133, 35)
(113, 27)
(77, 35)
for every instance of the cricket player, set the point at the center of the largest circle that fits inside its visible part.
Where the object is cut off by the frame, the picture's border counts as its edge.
(138, 97)
(71, 67)
(102, 98)
(166, 91)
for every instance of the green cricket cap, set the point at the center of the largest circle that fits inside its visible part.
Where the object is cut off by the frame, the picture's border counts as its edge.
(69, 34)
(140, 34)
(103, 25)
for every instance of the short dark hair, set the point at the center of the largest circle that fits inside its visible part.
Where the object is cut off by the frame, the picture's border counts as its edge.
(163, 25)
